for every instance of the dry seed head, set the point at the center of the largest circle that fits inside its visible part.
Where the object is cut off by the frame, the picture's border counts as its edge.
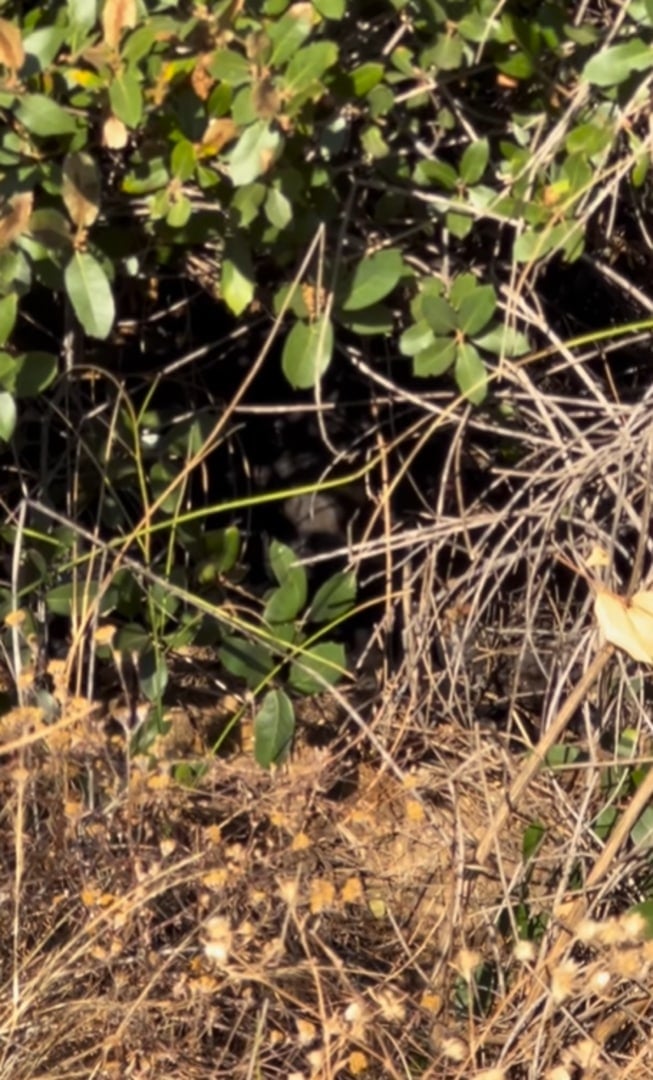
(524, 951)
(218, 939)
(466, 963)
(563, 980)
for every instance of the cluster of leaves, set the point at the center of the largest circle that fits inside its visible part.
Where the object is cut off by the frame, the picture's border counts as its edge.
(244, 129)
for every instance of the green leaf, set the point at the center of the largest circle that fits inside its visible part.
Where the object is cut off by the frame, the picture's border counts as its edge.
(322, 663)
(474, 161)
(365, 78)
(330, 9)
(126, 98)
(459, 225)
(274, 728)
(463, 286)
(307, 353)
(614, 64)
(230, 67)
(8, 312)
(237, 275)
(334, 598)
(470, 373)
(373, 143)
(589, 139)
(278, 209)
(152, 674)
(90, 294)
(641, 833)
(183, 160)
(179, 213)
(503, 341)
(373, 279)
(42, 46)
(605, 822)
(8, 416)
(436, 358)
(287, 35)
(282, 560)
(44, 117)
(253, 154)
(531, 840)
(34, 373)
(377, 319)
(415, 339)
(247, 660)
(308, 65)
(446, 54)
(477, 309)
(438, 313)
(430, 172)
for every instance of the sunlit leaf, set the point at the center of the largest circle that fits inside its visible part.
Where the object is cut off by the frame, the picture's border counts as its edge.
(373, 279)
(307, 353)
(8, 415)
(254, 153)
(44, 117)
(474, 161)
(126, 98)
(613, 65)
(470, 373)
(436, 358)
(90, 294)
(117, 16)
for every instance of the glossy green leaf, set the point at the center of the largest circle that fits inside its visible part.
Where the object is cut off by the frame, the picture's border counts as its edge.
(253, 154)
(282, 560)
(286, 602)
(230, 67)
(44, 117)
(309, 65)
(8, 312)
(278, 209)
(322, 663)
(446, 54)
(459, 225)
(274, 728)
(247, 660)
(335, 598)
(237, 275)
(416, 338)
(183, 160)
(503, 341)
(470, 373)
(366, 77)
(126, 98)
(373, 279)
(433, 173)
(474, 161)
(179, 212)
(436, 358)
(477, 309)
(287, 35)
(35, 371)
(330, 9)
(614, 65)
(41, 47)
(8, 415)
(307, 353)
(152, 674)
(90, 294)
(373, 143)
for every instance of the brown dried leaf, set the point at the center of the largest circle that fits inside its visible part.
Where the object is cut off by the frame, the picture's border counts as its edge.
(12, 53)
(117, 15)
(14, 217)
(218, 133)
(628, 624)
(81, 189)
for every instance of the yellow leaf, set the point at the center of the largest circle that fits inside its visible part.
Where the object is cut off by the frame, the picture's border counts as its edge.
(628, 624)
